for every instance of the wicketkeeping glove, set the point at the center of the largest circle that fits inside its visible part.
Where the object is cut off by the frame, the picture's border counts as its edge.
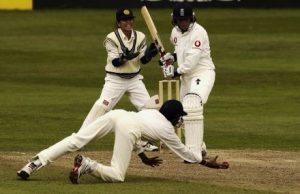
(214, 164)
(129, 55)
(151, 51)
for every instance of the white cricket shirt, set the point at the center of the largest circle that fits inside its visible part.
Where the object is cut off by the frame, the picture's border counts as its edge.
(192, 50)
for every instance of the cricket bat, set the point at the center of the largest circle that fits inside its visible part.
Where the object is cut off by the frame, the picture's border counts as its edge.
(153, 31)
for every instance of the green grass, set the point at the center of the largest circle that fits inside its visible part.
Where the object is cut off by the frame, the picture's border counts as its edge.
(52, 71)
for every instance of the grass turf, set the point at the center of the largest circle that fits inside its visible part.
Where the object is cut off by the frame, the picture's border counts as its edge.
(52, 70)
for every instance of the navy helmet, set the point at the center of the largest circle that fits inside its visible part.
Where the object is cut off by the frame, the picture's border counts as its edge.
(172, 110)
(183, 10)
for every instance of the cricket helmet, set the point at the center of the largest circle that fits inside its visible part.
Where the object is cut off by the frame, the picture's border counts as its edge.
(124, 14)
(172, 110)
(183, 10)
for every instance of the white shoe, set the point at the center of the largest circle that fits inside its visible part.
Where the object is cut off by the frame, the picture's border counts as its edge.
(29, 168)
(149, 147)
(82, 166)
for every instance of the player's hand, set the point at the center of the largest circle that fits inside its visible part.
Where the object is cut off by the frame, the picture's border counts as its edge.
(155, 161)
(168, 71)
(167, 59)
(129, 55)
(214, 164)
(176, 74)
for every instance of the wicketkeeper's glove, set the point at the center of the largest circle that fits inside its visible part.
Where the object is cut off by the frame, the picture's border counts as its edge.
(129, 55)
(151, 51)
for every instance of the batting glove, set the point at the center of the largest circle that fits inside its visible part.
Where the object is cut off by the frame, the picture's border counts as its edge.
(176, 74)
(167, 59)
(168, 71)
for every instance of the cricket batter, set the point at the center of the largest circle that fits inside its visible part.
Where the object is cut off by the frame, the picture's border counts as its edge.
(126, 51)
(195, 68)
(129, 128)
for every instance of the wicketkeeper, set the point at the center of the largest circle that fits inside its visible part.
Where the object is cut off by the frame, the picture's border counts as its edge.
(126, 51)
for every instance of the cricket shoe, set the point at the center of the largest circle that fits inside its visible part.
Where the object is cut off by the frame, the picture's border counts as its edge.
(82, 166)
(29, 168)
(149, 147)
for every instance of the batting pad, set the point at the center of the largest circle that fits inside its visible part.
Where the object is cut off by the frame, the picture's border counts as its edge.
(193, 122)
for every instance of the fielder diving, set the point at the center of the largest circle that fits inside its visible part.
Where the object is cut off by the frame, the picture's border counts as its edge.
(129, 128)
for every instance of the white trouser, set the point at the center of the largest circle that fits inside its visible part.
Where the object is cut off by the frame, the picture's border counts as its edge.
(124, 142)
(126, 136)
(74, 142)
(202, 87)
(113, 90)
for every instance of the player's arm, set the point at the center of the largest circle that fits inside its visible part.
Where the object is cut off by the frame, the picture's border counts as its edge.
(167, 60)
(190, 62)
(173, 142)
(193, 54)
(124, 57)
(150, 52)
(112, 52)
(192, 57)
(118, 59)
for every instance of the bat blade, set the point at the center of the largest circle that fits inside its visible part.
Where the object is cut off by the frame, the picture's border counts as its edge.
(152, 29)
